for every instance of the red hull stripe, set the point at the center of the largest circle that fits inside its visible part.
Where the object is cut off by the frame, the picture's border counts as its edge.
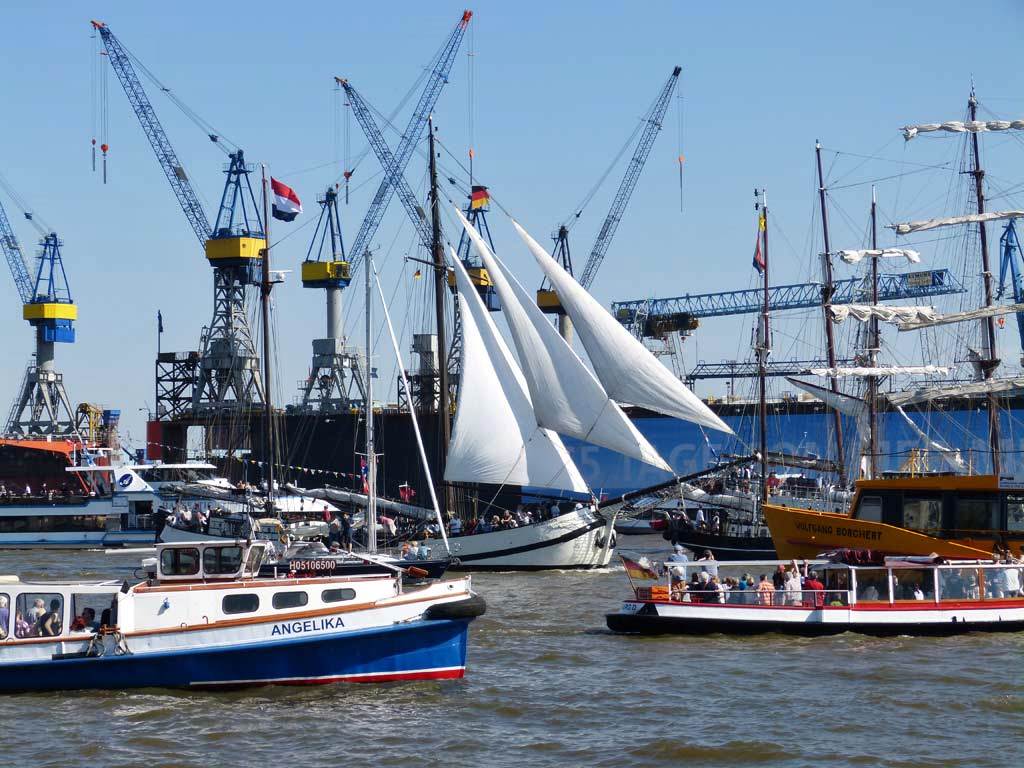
(445, 673)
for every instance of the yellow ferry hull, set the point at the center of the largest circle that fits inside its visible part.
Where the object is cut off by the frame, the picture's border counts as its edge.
(803, 533)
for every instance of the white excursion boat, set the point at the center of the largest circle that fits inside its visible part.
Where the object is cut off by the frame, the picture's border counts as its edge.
(204, 618)
(899, 596)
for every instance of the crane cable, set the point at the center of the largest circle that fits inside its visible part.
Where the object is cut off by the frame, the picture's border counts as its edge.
(40, 226)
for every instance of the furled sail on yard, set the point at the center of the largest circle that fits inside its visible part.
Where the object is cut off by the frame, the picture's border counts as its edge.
(881, 370)
(949, 221)
(626, 368)
(959, 317)
(864, 312)
(854, 256)
(962, 126)
(566, 395)
(925, 394)
(496, 438)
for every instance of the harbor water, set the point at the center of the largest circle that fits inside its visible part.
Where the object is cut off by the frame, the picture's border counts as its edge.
(548, 685)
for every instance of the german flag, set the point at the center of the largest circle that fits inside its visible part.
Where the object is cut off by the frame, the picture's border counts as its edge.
(639, 570)
(479, 198)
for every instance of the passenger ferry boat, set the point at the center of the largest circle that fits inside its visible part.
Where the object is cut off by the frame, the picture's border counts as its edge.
(205, 618)
(943, 514)
(895, 596)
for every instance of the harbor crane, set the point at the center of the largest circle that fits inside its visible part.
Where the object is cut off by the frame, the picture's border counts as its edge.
(1010, 253)
(41, 407)
(228, 375)
(547, 298)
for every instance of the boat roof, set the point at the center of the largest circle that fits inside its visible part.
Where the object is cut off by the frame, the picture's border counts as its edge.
(936, 482)
(142, 467)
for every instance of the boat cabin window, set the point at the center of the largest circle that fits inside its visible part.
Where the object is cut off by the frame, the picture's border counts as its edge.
(39, 614)
(870, 509)
(179, 562)
(290, 600)
(337, 595)
(922, 514)
(913, 584)
(246, 603)
(1015, 513)
(872, 584)
(91, 611)
(959, 584)
(976, 515)
(222, 561)
(255, 559)
(5, 616)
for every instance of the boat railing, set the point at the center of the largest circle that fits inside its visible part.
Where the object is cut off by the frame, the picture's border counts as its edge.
(802, 598)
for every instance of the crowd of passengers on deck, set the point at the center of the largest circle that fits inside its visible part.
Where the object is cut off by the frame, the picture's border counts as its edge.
(800, 586)
(42, 616)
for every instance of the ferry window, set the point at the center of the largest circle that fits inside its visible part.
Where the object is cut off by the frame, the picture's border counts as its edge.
(179, 562)
(1015, 513)
(912, 584)
(221, 561)
(290, 599)
(89, 611)
(922, 514)
(337, 595)
(870, 509)
(240, 603)
(5, 616)
(39, 614)
(959, 584)
(976, 515)
(871, 585)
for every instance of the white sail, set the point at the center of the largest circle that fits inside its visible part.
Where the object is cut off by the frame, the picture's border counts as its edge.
(566, 395)
(949, 221)
(881, 370)
(854, 256)
(949, 455)
(864, 312)
(960, 317)
(926, 394)
(848, 405)
(496, 438)
(626, 368)
(963, 126)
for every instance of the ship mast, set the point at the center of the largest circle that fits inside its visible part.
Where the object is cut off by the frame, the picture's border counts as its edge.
(440, 285)
(371, 449)
(763, 346)
(991, 362)
(873, 344)
(826, 304)
(268, 401)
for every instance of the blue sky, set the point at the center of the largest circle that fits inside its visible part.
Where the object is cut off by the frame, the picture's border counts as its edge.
(558, 87)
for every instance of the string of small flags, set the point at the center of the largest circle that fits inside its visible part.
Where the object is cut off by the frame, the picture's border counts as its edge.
(307, 470)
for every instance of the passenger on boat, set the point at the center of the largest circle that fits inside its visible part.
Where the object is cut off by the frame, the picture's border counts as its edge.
(696, 587)
(84, 622)
(5, 616)
(555, 511)
(346, 532)
(708, 563)
(1011, 578)
(680, 593)
(507, 521)
(49, 623)
(455, 527)
(22, 628)
(765, 591)
(792, 587)
(37, 611)
(472, 525)
(779, 582)
(817, 590)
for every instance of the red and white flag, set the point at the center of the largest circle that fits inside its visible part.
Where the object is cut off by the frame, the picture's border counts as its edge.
(286, 203)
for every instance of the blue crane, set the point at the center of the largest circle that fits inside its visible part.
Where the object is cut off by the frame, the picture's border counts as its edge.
(547, 298)
(395, 167)
(653, 120)
(394, 175)
(1010, 250)
(651, 317)
(120, 60)
(42, 406)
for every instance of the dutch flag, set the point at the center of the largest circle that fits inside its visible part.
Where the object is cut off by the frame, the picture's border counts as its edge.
(286, 203)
